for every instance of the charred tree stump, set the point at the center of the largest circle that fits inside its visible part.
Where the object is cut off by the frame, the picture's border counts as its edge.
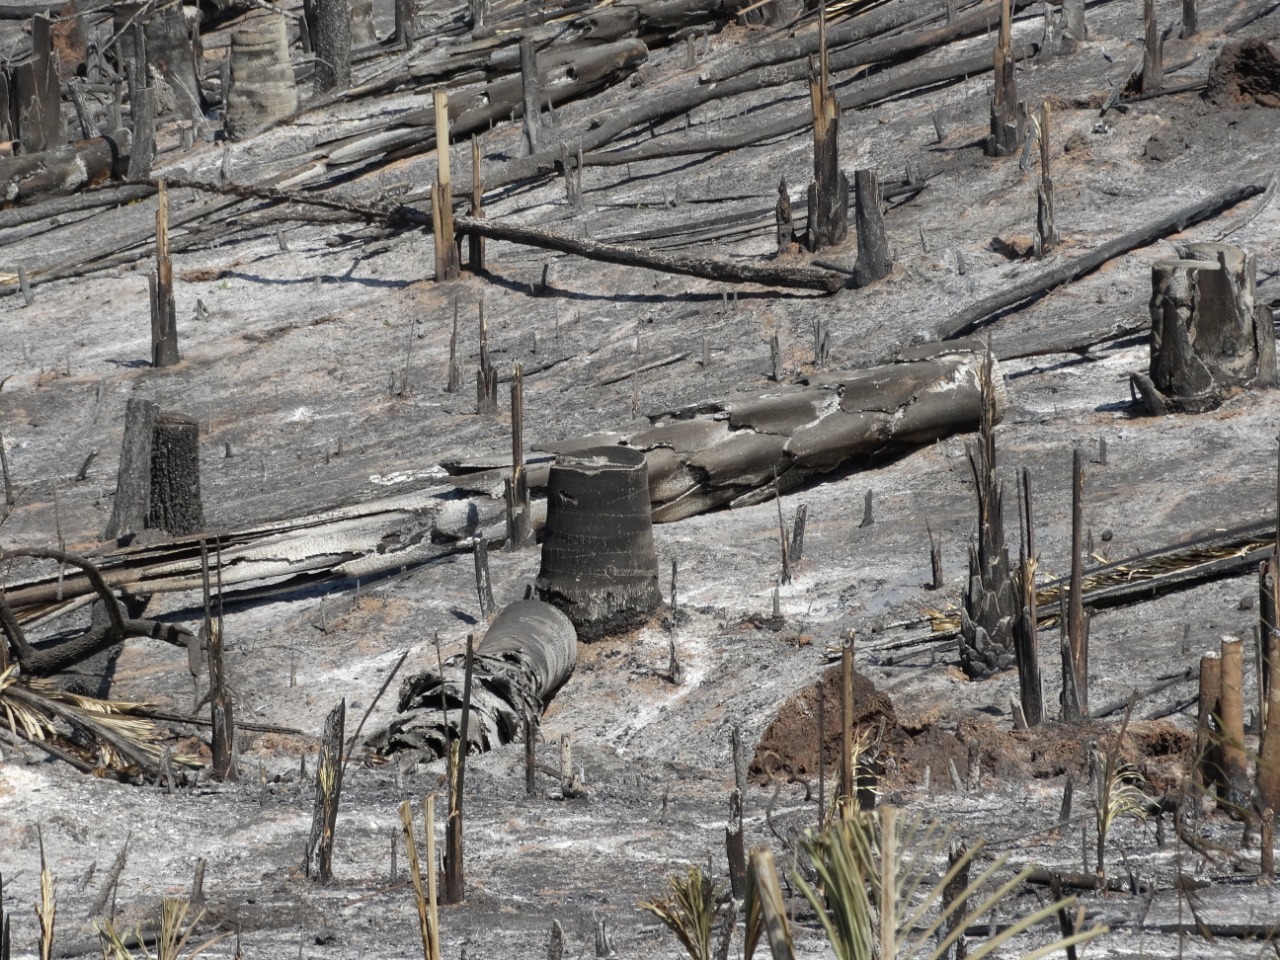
(1007, 115)
(873, 261)
(329, 25)
(829, 192)
(475, 242)
(521, 532)
(454, 882)
(171, 53)
(1190, 19)
(133, 481)
(406, 23)
(987, 617)
(164, 321)
(487, 375)
(1209, 334)
(222, 737)
(1208, 725)
(262, 89)
(1152, 50)
(142, 106)
(1268, 775)
(175, 476)
(324, 818)
(1075, 651)
(1026, 623)
(1073, 13)
(1046, 229)
(599, 564)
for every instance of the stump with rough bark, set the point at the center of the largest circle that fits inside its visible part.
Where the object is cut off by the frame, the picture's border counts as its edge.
(262, 87)
(1210, 337)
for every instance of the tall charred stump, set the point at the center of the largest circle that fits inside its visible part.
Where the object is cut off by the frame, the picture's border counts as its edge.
(991, 602)
(829, 192)
(873, 261)
(35, 95)
(164, 320)
(133, 479)
(329, 26)
(262, 87)
(1007, 115)
(1210, 336)
(171, 51)
(599, 564)
(175, 476)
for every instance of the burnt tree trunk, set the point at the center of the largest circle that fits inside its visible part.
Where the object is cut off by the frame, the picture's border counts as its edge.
(1046, 228)
(1152, 50)
(85, 163)
(1209, 334)
(873, 248)
(329, 25)
(1006, 113)
(171, 52)
(35, 93)
(133, 481)
(164, 321)
(829, 192)
(324, 819)
(175, 476)
(599, 564)
(262, 87)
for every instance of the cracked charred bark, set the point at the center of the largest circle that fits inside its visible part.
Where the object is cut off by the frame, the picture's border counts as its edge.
(525, 657)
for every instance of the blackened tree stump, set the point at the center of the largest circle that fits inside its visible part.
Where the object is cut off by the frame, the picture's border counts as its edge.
(1008, 116)
(873, 261)
(262, 88)
(133, 480)
(329, 25)
(1209, 335)
(599, 564)
(175, 476)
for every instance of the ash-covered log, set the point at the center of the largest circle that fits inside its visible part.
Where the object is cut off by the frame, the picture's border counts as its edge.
(599, 564)
(526, 656)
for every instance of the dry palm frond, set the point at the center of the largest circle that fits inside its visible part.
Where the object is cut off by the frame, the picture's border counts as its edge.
(33, 708)
(689, 911)
(47, 908)
(876, 896)
(175, 935)
(766, 910)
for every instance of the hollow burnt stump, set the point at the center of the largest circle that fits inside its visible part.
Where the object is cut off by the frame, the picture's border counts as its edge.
(1209, 335)
(599, 564)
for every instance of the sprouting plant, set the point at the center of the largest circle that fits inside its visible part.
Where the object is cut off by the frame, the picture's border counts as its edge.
(172, 944)
(877, 899)
(689, 911)
(1119, 794)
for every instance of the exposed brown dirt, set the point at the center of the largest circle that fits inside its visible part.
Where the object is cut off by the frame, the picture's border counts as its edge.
(1245, 73)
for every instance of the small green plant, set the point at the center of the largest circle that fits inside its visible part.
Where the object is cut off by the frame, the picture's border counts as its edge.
(689, 911)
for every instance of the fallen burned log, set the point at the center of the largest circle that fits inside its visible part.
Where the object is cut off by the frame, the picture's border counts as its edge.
(708, 268)
(34, 176)
(525, 657)
(1037, 286)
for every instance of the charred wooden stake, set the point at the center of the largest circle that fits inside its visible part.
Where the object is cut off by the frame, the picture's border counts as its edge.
(1026, 623)
(784, 218)
(1208, 737)
(935, 560)
(1153, 50)
(222, 738)
(530, 756)
(455, 372)
(454, 886)
(142, 132)
(329, 26)
(1075, 697)
(531, 89)
(867, 518)
(1209, 333)
(797, 533)
(522, 532)
(442, 195)
(164, 321)
(133, 481)
(873, 260)
(735, 848)
(829, 192)
(175, 505)
(1046, 230)
(1006, 113)
(487, 375)
(1234, 765)
(484, 584)
(324, 817)
(475, 242)
(1267, 865)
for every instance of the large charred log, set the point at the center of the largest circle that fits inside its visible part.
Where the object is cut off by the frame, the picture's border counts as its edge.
(525, 657)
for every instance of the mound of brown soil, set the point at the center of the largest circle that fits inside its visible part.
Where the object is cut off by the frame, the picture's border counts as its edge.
(1245, 73)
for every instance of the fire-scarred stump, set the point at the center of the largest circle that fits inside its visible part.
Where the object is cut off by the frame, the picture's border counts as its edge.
(599, 564)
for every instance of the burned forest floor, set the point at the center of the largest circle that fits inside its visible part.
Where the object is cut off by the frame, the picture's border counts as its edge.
(315, 359)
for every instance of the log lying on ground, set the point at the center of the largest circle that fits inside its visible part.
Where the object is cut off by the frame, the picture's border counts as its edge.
(709, 268)
(525, 657)
(974, 315)
(86, 163)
